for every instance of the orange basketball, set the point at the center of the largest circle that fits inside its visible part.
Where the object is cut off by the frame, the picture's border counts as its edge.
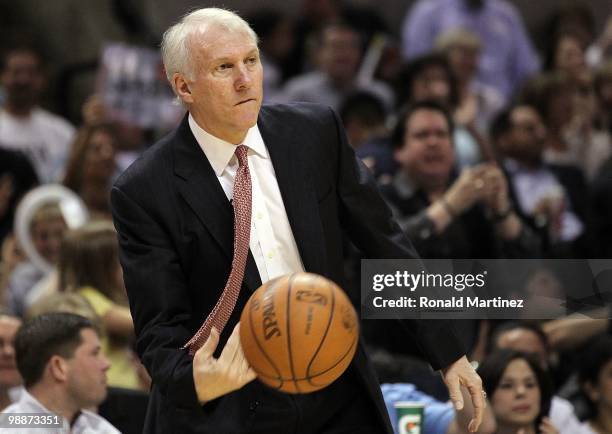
(299, 332)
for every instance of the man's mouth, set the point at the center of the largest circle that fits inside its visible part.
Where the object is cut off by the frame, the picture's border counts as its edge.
(245, 101)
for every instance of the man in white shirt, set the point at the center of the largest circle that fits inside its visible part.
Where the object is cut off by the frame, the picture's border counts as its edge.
(24, 126)
(64, 372)
(297, 188)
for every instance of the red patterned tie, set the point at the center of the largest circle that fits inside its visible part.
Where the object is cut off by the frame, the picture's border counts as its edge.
(242, 232)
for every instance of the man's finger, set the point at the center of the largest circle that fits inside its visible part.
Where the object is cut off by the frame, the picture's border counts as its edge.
(454, 392)
(231, 347)
(479, 404)
(208, 349)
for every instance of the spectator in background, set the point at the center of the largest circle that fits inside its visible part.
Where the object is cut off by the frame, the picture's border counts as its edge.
(17, 176)
(89, 266)
(508, 56)
(576, 18)
(596, 380)
(449, 215)
(568, 108)
(315, 14)
(276, 40)
(47, 227)
(91, 166)
(550, 198)
(64, 372)
(365, 120)
(10, 380)
(477, 102)
(430, 77)
(24, 126)
(567, 54)
(519, 392)
(446, 215)
(530, 338)
(339, 55)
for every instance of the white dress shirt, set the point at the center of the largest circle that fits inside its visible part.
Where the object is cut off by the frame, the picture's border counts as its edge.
(86, 422)
(272, 243)
(533, 185)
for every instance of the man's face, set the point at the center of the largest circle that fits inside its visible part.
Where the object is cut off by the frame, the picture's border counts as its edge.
(524, 340)
(427, 150)
(340, 54)
(9, 376)
(526, 139)
(226, 90)
(87, 371)
(22, 78)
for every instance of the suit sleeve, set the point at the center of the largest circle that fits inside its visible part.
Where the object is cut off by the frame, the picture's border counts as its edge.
(370, 226)
(158, 299)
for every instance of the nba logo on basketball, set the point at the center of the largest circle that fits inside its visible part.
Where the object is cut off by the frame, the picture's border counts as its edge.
(410, 424)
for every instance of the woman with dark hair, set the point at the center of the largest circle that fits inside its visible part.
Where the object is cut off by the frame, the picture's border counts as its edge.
(519, 391)
(91, 166)
(17, 176)
(430, 78)
(595, 378)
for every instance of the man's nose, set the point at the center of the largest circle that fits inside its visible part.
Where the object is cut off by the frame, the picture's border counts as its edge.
(106, 364)
(432, 140)
(243, 78)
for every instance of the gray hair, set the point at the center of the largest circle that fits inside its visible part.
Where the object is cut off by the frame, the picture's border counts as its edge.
(175, 42)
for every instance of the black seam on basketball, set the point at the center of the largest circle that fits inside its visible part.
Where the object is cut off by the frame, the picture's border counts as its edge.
(252, 330)
(349, 351)
(331, 317)
(288, 323)
(308, 378)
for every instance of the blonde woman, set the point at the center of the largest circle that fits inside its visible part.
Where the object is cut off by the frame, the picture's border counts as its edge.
(89, 266)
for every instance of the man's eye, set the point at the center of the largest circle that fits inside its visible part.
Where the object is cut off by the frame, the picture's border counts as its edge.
(224, 66)
(252, 60)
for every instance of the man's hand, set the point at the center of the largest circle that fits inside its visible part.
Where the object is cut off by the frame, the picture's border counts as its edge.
(466, 190)
(461, 373)
(217, 377)
(496, 189)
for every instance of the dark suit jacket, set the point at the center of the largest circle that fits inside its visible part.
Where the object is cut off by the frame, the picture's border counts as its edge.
(175, 229)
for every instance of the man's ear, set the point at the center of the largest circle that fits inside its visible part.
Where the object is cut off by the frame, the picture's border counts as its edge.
(182, 88)
(58, 368)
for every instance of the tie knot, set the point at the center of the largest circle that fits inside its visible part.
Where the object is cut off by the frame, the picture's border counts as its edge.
(241, 154)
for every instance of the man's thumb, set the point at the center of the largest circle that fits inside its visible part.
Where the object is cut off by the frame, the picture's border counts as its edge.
(209, 347)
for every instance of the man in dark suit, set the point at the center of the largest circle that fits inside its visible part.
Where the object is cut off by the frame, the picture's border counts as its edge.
(173, 213)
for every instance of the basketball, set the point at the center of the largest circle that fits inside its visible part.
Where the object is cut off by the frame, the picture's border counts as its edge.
(299, 332)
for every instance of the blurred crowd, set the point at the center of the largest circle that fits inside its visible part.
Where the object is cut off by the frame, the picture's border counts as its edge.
(483, 147)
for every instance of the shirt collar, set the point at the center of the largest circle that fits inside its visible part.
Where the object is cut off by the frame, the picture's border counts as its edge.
(219, 152)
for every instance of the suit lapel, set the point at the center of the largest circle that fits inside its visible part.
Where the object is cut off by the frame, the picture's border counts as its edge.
(296, 189)
(198, 185)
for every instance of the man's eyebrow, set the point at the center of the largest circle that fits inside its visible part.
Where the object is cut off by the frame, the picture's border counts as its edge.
(230, 59)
